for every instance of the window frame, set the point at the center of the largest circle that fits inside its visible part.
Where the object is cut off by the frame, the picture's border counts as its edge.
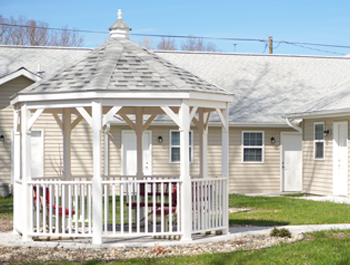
(253, 147)
(318, 141)
(172, 146)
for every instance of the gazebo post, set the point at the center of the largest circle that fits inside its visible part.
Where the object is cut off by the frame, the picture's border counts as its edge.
(139, 149)
(66, 121)
(186, 205)
(203, 144)
(16, 170)
(96, 180)
(26, 172)
(225, 161)
(66, 144)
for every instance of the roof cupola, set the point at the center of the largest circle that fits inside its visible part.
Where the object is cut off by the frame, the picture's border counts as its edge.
(120, 29)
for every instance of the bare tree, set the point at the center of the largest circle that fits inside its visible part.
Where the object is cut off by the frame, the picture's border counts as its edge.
(198, 44)
(147, 43)
(166, 44)
(36, 33)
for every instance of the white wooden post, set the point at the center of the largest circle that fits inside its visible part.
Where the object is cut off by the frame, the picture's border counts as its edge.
(186, 205)
(96, 180)
(66, 144)
(16, 171)
(139, 132)
(203, 143)
(225, 162)
(26, 173)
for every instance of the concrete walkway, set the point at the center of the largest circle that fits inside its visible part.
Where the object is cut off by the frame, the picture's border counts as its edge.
(12, 239)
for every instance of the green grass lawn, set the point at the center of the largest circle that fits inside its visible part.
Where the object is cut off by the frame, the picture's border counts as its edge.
(286, 211)
(6, 207)
(332, 247)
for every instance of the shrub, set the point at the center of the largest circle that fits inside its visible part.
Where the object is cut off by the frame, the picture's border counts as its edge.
(280, 232)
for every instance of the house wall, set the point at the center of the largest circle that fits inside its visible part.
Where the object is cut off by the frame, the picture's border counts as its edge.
(6, 123)
(244, 177)
(318, 174)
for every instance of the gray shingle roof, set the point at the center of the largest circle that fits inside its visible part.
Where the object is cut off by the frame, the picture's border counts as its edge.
(265, 86)
(334, 99)
(122, 65)
(51, 59)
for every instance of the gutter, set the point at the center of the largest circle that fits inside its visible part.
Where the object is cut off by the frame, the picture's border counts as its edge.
(295, 127)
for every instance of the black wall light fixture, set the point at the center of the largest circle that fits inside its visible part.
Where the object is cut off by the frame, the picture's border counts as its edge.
(273, 140)
(160, 139)
(325, 133)
(2, 138)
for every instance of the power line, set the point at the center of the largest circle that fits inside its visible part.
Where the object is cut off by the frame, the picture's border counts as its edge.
(298, 44)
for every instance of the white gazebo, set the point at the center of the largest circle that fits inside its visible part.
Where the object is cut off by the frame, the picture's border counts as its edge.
(120, 78)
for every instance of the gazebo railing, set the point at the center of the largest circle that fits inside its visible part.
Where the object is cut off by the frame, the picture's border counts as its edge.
(60, 208)
(130, 206)
(209, 209)
(143, 207)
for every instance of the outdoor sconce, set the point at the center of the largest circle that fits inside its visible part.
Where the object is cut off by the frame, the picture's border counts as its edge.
(325, 133)
(273, 140)
(2, 138)
(160, 139)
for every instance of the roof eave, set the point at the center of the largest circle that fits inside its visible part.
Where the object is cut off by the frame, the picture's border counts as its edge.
(319, 114)
(155, 95)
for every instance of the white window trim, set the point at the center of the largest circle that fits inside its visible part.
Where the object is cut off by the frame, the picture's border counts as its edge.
(315, 141)
(170, 146)
(251, 147)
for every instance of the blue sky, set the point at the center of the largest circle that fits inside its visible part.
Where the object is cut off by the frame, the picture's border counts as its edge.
(313, 21)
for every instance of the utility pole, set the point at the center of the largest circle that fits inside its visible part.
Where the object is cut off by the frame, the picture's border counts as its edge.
(270, 45)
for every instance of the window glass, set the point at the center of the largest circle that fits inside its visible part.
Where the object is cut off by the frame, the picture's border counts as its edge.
(252, 147)
(175, 146)
(319, 131)
(319, 150)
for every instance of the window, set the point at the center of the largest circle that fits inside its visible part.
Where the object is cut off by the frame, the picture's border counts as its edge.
(319, 140)
(175, 146)
(253, 147)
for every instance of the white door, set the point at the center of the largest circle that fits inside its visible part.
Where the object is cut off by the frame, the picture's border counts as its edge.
(340, 158)
(37, 153)
(291, 161)
(129, 159)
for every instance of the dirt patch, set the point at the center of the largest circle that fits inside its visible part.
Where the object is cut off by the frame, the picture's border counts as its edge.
(6, 225)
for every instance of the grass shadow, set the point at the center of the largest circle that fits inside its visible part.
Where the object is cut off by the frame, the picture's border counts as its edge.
(257, 222)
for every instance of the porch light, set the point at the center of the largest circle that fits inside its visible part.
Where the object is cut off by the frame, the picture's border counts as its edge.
(273, 140)
(160, 139)
(325, 133)
(2, 138)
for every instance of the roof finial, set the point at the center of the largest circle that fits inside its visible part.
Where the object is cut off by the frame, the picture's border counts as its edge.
(120, 14)
(120, 29)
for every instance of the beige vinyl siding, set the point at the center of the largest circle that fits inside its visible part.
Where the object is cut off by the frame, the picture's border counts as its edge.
(256, 177)
(318, 174)
(81, 146)
(244, 177)
(6, 123)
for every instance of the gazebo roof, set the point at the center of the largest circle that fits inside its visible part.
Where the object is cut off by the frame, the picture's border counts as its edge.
(122, 65)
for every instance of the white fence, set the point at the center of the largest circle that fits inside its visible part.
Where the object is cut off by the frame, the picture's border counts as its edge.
(130, 207)
(209, 204)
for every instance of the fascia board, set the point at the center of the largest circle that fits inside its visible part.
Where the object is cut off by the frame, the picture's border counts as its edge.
(22, 72)
(122, 95)
(217, 124)
(320, 114)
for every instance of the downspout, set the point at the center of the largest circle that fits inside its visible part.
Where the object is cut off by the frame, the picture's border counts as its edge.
(295, 127)
(106, 149)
